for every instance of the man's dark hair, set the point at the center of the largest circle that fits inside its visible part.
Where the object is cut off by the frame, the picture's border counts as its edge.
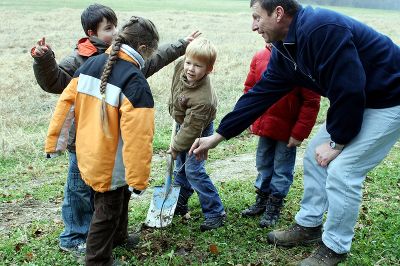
(290, 6)
(94, 14)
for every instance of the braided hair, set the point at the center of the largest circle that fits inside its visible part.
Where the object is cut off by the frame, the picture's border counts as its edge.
(136, 32)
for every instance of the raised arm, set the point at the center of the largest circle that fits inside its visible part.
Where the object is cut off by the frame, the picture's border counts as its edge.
(167, 53)
(50, 76)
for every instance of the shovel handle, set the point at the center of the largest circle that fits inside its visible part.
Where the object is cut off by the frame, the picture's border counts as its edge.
(170, 161)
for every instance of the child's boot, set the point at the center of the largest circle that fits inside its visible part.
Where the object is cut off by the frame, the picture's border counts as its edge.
(258, 207)
(272, 211)
(182, 206)
(213, 223)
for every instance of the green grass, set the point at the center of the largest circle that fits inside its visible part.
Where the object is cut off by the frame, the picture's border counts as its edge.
(240, 241)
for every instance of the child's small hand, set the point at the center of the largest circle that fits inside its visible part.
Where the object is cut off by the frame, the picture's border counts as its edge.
(40, 48)
(192, 36)
(173, 153)
(293, 142)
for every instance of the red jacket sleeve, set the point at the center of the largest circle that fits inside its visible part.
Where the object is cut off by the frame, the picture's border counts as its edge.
(252, 76)
(307, 115)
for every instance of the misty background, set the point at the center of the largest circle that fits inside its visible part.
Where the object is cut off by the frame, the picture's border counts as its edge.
(381, 4)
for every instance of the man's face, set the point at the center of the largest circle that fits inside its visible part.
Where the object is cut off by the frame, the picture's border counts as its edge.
(265, 25)
(106, 31)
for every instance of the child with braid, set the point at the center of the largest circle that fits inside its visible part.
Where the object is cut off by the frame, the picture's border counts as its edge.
(99, 23)
(113, 108)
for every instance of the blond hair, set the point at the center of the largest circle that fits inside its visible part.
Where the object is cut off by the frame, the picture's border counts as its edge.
(137, 31)
(202, 50)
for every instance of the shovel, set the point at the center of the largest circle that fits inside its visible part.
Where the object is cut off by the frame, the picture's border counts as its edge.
(165, 198)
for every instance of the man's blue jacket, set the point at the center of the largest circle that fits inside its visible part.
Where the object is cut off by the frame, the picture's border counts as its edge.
(346, 61)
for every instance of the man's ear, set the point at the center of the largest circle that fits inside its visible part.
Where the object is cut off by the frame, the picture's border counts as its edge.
(210, 69)
(91, 33)
(279, 12)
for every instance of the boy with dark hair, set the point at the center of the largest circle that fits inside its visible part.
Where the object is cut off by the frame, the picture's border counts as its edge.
(99, 23)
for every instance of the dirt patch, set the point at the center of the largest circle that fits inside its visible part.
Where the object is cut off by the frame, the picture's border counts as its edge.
(241, 167)
(22, 213)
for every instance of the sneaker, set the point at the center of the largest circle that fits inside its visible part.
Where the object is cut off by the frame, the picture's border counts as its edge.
(213, 223)
(323, 256)
(78, 250)
(258, 207)
(131, 242)
(272, 212)
(296, 235)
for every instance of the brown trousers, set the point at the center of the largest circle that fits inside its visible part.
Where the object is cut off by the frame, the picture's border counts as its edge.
(109, 225)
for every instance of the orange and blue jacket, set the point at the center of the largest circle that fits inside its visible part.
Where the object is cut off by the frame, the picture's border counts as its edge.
(107, 162)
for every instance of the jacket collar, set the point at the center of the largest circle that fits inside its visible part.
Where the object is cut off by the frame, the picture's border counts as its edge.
(133, 54)
(89, 46)
(291, 36)
(128, 56)
(196, 84)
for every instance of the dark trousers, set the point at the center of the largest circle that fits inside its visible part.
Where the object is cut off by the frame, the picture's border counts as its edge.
(109, 226)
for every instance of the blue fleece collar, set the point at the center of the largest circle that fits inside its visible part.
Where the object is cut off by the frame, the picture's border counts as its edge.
(291, 36)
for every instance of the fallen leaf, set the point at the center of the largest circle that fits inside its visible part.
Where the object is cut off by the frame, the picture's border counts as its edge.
(18, 247)
(29, 256)
(38, 232)
(214, 249)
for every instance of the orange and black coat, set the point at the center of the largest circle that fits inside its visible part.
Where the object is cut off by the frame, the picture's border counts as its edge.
(107, 163)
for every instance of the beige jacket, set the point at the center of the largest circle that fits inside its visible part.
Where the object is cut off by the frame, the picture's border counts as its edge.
(192, 106)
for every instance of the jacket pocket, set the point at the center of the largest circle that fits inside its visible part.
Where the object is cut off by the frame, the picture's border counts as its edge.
(198, 121)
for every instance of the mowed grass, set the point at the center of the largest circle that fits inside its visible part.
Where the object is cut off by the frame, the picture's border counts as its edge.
(31, 187)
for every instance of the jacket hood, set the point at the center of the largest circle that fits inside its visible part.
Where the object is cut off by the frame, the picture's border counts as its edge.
(89, 46)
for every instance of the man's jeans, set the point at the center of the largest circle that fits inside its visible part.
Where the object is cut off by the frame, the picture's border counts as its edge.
(193, 176)
(337, 188)
(77, 208)
(275, 166)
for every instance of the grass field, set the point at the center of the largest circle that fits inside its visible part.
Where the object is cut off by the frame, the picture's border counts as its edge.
(31, 187)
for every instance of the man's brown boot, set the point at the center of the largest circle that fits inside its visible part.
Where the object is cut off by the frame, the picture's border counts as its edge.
(323, 256)
(296, 235)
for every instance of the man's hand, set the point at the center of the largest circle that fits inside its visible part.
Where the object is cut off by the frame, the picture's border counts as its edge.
(324, 154)
(293, 142)
(40, 48)
(192, 36)
(173, 153)
(201, 146)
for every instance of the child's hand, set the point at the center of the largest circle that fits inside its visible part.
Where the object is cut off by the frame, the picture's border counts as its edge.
(173, 153)
(293, 142)
(40, 48)
(193, 36)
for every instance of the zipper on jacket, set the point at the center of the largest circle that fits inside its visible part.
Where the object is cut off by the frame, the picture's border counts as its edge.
(293, 61)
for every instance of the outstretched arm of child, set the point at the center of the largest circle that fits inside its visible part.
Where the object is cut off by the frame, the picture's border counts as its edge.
(192, 36)
(50, 76)
(167, 53)
(40, 48)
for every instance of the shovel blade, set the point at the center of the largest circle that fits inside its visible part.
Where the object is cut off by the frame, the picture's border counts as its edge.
(162, 206)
